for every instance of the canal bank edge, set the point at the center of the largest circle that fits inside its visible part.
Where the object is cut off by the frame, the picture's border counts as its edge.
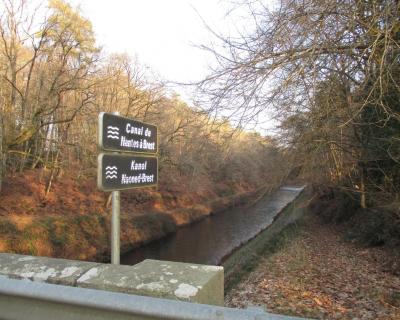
(86, 236)
(241, 259)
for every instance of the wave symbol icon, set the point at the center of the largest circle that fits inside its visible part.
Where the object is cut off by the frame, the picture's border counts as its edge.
(111, 172)
(112, 132)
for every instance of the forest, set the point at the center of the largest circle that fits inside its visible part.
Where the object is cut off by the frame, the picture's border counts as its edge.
(335, 70)
(334, 66)
(54, 82)
(326, 71)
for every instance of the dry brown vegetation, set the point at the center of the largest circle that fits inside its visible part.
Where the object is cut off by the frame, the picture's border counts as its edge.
(329, 71)
(54, 81)
(313, 272)
(73, 221)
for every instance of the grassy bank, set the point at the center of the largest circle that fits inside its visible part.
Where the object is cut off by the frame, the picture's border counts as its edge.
(73, 221)
(82, 237)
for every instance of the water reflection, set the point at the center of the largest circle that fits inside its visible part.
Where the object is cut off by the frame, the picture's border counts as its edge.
(212, 238)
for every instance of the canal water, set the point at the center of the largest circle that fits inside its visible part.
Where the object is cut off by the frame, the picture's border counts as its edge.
(215, 237)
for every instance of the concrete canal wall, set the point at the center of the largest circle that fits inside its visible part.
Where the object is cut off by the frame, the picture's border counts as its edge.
(237, 262)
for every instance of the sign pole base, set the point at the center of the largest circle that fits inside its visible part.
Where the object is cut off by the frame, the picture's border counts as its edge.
(115, 227)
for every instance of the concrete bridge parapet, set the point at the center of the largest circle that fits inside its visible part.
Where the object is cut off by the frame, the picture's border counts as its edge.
(163, 279)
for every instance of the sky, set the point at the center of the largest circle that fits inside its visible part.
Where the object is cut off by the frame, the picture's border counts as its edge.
(162, 34)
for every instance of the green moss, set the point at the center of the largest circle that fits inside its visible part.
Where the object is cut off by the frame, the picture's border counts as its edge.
(7, 227)
(29, 238)
(10, 235)
(373, 227)
(58, 231)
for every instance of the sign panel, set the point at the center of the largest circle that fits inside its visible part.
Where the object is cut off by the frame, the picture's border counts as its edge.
(118, 133)
(124, 171)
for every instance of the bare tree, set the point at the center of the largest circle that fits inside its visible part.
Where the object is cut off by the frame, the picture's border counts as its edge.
(293, 47)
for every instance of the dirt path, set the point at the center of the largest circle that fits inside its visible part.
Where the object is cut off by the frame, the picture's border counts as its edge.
(316, 274)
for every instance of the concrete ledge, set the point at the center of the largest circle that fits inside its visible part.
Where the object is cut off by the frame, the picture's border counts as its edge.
(41, 269)
(165, 279)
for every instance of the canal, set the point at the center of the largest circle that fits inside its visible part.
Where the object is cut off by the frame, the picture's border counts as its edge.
(215, 237)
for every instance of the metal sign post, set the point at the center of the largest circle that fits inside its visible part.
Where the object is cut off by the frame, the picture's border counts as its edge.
(124, 168)
(115, 227)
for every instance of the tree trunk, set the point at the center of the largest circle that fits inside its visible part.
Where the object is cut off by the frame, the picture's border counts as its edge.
(52, 173)
(363, 202)
(2, 169)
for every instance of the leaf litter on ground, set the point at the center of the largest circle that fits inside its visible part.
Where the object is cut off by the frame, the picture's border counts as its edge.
(316, 274)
